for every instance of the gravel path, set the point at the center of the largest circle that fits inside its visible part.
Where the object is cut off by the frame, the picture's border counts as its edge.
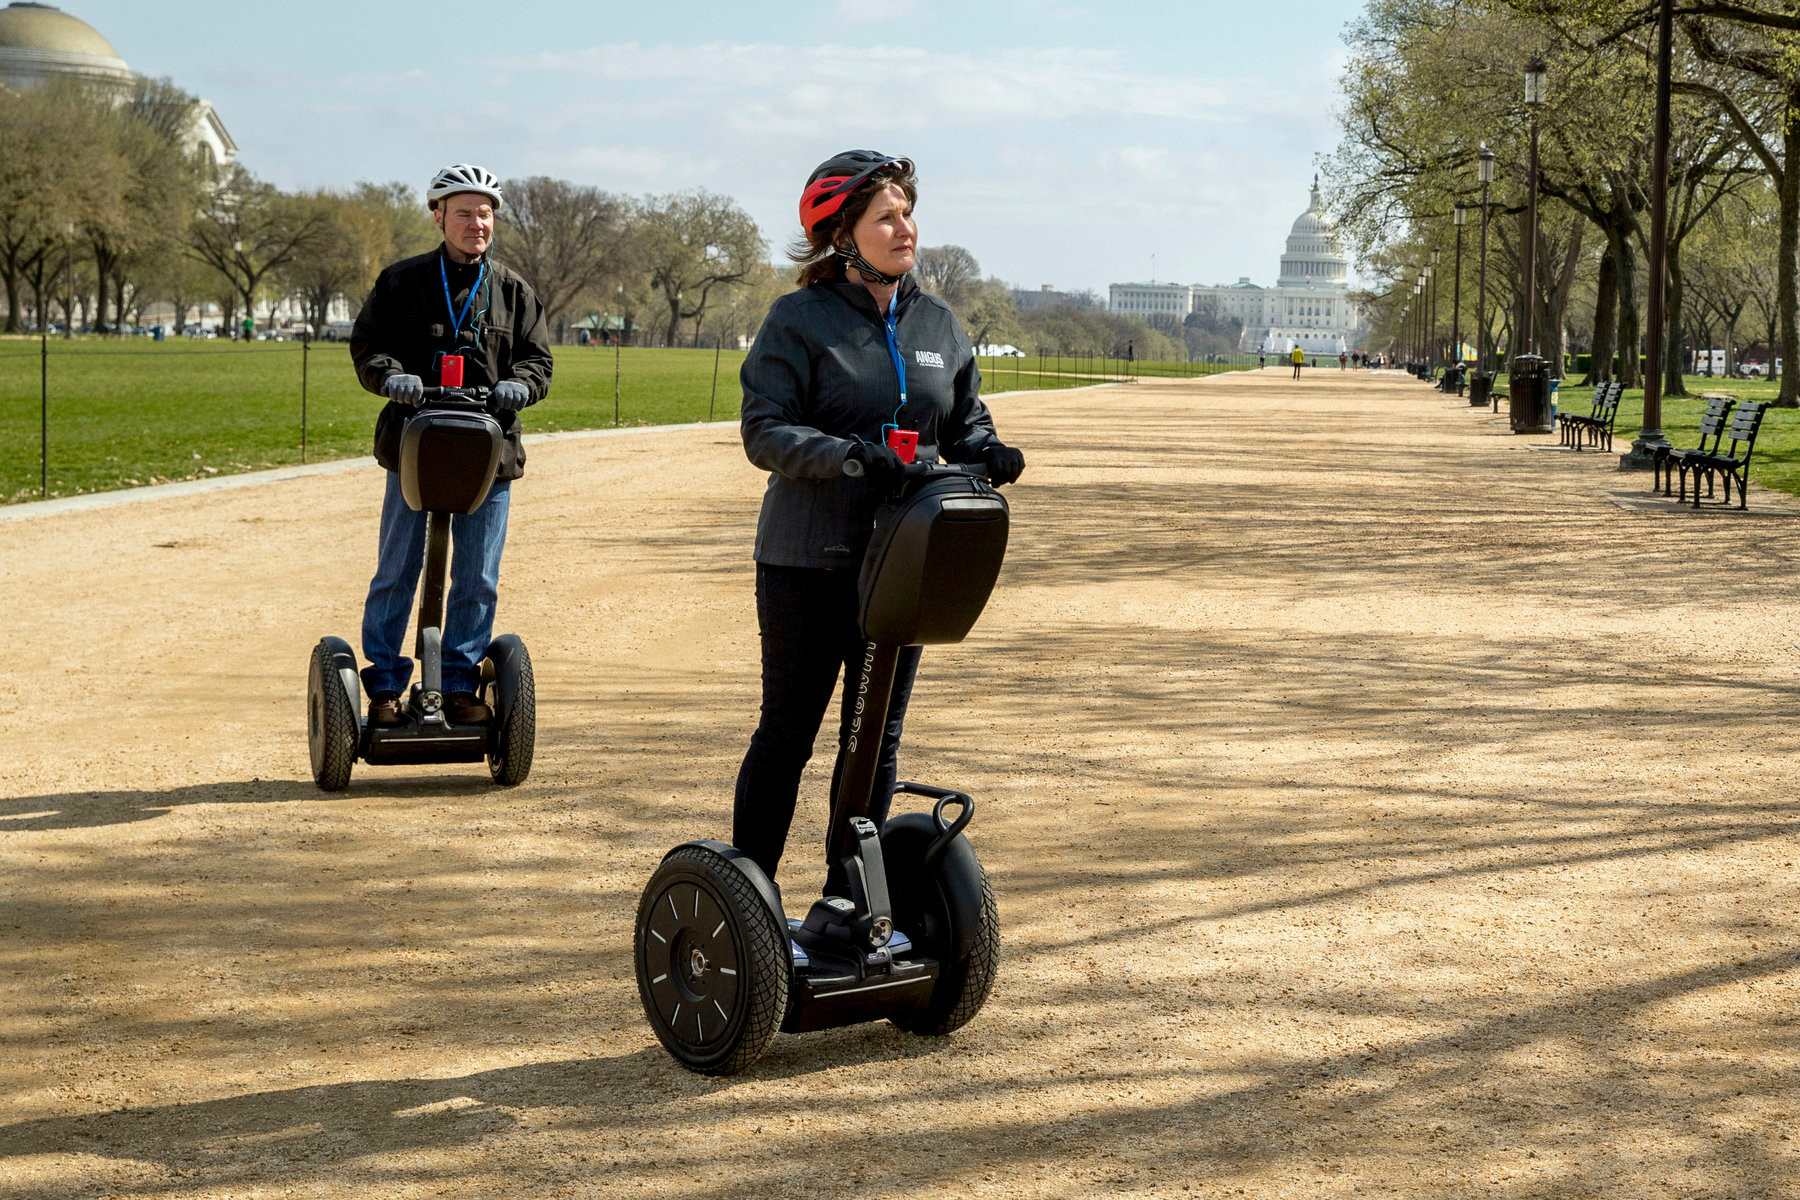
(1373, 809)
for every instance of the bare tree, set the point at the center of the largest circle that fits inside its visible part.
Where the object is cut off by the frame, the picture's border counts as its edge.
(692, 243)
(563, 238)
(948, 272)
(249, 230)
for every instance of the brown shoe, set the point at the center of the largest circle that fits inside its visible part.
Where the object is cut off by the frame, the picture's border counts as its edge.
(466, 708)
(384, 709)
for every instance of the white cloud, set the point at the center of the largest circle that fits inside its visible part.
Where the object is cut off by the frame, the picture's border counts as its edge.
(808, 90)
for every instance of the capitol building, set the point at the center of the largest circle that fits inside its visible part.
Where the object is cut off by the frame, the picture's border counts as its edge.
(1309, 306)
(39, 42)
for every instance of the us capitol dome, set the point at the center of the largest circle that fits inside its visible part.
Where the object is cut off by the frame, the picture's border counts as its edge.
(1309, 306)
(39, 42)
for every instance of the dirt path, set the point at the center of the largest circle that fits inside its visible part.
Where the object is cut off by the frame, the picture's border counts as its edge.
(1372, 810)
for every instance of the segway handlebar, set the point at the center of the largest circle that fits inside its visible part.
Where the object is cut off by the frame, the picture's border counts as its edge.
(920, 470)
(456, 395)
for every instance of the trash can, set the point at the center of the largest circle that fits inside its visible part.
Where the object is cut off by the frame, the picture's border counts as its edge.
(1529, 390)
(1481, 387)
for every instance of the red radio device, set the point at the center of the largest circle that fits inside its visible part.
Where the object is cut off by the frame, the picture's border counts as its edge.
(904, 442)
(450, 371)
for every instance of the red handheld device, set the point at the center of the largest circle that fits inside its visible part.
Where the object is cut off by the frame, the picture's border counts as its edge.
(904, 442)
(450, 371)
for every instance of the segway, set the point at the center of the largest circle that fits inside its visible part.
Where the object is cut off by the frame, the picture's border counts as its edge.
(721, 966)
(449, 452)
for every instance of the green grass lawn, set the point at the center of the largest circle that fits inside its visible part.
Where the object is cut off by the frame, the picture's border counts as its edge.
(128, 413)
(1776, 463)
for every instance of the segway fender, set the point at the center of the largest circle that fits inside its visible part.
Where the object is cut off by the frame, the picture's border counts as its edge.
(904, 840)
(745, 866)
(504, 651)
(345, 658)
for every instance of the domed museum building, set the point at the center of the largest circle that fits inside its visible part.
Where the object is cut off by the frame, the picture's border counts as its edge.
(39, 42)
(1308, 307)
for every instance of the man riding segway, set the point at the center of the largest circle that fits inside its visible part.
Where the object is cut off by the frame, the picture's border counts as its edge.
(453, 318)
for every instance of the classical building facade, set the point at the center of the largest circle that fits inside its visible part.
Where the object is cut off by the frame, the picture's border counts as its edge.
(39, 42)
(1308, 307)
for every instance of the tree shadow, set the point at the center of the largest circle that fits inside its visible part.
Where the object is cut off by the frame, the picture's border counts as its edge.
(89, 810)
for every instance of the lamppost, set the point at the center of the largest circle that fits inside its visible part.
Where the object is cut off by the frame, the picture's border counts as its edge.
(1643, 447)
(1536, 77)
(1481, 386)
(1423, 282)
(1418, 307)
(1459, 217)
(1437, 347)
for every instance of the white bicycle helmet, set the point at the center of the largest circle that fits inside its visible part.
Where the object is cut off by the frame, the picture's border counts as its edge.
(463, 177)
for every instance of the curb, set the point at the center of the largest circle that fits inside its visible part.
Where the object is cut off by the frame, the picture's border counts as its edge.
(36, 509)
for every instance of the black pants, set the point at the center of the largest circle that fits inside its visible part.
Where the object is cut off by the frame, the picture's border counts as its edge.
(1296, 370)
(809, 633)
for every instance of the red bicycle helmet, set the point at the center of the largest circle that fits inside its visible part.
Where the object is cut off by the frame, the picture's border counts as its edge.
(833, 180)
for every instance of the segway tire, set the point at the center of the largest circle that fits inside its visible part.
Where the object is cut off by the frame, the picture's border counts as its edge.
(963, 983)
(948, 911)
(331, 725)
(509, 752)
(712, 963)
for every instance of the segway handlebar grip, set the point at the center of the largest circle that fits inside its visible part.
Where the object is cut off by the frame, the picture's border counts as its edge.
(474, 397)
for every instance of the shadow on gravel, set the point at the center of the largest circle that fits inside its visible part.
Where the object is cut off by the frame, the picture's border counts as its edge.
(87, 810)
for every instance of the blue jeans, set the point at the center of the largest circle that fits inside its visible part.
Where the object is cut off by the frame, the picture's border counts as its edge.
(476, 540)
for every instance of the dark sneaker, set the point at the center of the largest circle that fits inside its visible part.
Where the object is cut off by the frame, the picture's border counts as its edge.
(384, 709)
(466, 708)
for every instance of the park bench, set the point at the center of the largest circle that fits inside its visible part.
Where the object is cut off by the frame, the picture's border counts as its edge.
(1670, 460)
(1746, 419)
(1598, 424)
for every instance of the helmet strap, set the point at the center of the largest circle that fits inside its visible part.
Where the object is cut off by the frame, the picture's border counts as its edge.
(854, 259)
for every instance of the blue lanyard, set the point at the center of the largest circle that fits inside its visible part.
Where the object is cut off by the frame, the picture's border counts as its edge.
(456, 319)
(894, 349)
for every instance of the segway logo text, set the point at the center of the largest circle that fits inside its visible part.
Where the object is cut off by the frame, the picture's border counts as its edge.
(862, 695)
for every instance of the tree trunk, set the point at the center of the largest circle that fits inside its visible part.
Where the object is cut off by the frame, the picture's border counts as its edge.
(1674, 345)
(1629, 333)
(1606, 320)
(9, 273)
(1787, 257)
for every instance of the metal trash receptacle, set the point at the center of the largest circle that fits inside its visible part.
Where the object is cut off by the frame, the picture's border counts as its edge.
(1528, 389)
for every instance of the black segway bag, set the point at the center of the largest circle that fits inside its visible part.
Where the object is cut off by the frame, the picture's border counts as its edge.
(447, 460)
(932, 561)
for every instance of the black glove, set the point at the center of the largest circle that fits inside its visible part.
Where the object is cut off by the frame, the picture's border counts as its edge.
(880, 465)
(1004, 464)
(511, 395)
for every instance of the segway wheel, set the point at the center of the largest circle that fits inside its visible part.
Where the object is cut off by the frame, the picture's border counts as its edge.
(712, 963)
(948, 910)
(509, 752)
(331, 727)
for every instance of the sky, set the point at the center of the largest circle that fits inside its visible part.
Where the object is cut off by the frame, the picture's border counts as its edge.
(1062, 142)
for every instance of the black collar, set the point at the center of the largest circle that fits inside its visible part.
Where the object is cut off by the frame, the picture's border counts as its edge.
(857, 296)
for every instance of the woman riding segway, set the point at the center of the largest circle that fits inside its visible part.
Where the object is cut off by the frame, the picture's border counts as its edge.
(857, 352)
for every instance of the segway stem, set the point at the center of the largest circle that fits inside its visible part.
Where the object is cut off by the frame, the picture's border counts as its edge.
(431, 592)
(862, 748)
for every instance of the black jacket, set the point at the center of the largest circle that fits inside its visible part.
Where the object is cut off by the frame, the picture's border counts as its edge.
(405, 323)
(820, 377)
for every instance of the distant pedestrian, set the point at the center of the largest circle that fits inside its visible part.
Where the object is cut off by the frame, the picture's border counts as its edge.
(1262, 361)
(1299, 360)
(1343, 360)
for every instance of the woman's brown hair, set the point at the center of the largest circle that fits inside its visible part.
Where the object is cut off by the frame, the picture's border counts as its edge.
(814, 252)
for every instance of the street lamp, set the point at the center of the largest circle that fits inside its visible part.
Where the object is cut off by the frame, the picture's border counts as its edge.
(1481, 386)
(1459, 217)
(1431, 273)
(1650, 439)
(1536, 91)
(1418, 307)
(1420, 284)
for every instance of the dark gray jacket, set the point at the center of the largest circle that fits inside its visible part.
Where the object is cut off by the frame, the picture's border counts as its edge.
(819, 378)
(405, 324)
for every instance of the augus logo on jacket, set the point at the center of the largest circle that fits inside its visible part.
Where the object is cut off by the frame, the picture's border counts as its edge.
(929, 358)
